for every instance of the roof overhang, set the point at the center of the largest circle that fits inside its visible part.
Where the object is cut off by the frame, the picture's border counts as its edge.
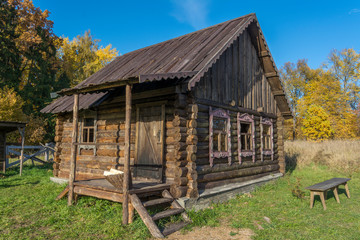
(7, 126)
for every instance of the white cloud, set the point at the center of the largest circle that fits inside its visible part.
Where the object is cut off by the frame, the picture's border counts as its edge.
(354, 11)
(193, 12)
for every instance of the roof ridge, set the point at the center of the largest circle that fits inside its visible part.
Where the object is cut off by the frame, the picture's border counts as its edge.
(187, 34)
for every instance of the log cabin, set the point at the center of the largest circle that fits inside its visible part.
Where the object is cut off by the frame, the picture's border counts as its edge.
(201, 111)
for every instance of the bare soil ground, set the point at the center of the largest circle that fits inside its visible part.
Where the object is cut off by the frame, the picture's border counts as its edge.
(213, 233)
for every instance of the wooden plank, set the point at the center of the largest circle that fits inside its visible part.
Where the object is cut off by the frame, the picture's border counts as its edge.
(174, 227)
(112, 196)
(22, 134)
(63, 193)
(144, 215)
(175, 204)
(157, 202)
(73, 150)
(127, 174)
(167, 213)
(328, 184)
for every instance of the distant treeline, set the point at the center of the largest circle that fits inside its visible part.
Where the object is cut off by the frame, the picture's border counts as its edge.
(35, 62)
(325, 101)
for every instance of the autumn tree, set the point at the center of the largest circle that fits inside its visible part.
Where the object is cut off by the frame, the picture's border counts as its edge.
(10, 58)
(345, 67)
(332, 87)
(82, 57)
(316, 124)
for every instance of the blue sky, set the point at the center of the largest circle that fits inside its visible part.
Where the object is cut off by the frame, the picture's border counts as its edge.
(293, 29)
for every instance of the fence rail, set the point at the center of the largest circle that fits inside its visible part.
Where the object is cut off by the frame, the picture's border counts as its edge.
(47, 150)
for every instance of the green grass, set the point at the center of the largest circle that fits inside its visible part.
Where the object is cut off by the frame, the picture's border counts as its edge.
(28, 211)
(291, 217)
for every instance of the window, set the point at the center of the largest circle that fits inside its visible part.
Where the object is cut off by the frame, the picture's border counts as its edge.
(88, 135)
(219, 139)
(267, 137)
(246, 136)
(87, 131)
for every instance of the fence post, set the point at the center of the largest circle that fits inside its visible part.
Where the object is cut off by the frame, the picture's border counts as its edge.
(47, 152)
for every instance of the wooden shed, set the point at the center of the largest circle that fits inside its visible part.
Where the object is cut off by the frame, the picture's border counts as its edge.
(205, 110)
(7, 127)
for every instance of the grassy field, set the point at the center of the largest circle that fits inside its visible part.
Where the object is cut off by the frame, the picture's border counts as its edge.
(28, 210)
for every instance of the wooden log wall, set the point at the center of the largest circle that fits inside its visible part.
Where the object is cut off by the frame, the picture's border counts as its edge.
(223, 173)
(111, 129)
(237, 78)
(177, 142)
(280, 141)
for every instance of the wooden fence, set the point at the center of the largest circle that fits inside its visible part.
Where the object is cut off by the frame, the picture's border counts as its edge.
(47, 151)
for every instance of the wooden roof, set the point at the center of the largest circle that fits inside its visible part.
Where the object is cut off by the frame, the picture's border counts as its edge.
(9, 126)
(188, 56)
(65, 103)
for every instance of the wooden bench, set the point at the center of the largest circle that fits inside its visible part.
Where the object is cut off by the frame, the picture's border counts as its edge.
(322, 188)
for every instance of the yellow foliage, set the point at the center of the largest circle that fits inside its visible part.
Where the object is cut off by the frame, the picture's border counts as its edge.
(316, 124)
(10, 105)
(82, 57)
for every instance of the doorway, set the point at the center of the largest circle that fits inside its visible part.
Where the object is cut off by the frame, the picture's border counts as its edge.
(149, 144)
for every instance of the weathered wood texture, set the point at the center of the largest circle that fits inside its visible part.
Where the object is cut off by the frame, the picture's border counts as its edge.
(223, 173)
(2, 151)
(110, 126)
(280, 142)
(238, 79)
(73, 149)
(127, 173)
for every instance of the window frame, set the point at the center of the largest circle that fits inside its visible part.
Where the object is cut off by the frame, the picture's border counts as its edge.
(87, 145)
(246, 119)
(219, 113)
(267, 152)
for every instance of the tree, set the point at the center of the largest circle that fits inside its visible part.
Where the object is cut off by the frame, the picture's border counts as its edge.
(345, 67)
(10, 58)
(316, 124)
(36, 44)
(82, 57)
(11, 105)
(332, 89)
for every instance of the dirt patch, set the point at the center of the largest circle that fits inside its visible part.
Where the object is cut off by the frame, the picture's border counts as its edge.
(213, 233)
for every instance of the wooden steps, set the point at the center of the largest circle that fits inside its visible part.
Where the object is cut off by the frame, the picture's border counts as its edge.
(167, 213)
(157, 202)
(175, 209)
(171, 228)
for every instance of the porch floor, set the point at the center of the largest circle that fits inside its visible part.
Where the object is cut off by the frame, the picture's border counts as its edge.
(101, 188)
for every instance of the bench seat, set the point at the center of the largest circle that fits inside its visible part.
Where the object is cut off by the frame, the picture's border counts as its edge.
(322, 188)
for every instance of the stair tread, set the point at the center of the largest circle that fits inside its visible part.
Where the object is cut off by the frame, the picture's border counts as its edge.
(157, 202)
(171, 228)
(167, 213)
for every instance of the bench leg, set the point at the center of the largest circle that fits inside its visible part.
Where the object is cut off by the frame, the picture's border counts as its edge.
(347, 190)
(311, 199)
(335, 190)
(322, 200)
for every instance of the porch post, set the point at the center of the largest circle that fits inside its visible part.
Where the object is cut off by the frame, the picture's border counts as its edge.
(73, 150)
(127, 174)
(22, 134)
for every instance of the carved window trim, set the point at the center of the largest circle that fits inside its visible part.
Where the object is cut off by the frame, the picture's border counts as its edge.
(91, 145)
(267, 152)
(247, 119)
(220, 113)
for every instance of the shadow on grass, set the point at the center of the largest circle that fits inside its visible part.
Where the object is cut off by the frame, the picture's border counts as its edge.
(20, 184)
(291, 162)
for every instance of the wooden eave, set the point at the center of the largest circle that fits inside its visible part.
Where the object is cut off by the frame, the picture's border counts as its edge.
(6, 126)
(270, 69)
(99, 87)
(123, 82)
